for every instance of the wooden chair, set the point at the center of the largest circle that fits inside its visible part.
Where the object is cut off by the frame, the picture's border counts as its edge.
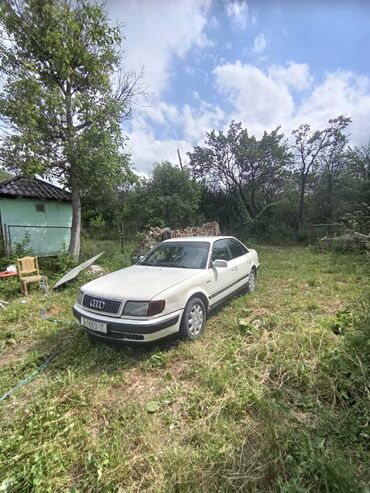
(29, 265)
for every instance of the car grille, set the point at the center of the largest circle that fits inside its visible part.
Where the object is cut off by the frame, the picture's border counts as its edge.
(101, 304)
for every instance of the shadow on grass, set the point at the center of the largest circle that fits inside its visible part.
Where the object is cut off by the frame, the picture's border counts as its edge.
(85, 353)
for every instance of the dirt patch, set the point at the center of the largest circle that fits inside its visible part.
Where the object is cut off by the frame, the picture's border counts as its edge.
(15, 353)
(260, 312)
(306, 418)
(332, 306)
(178, 367)
(136, 387)
(55, 311)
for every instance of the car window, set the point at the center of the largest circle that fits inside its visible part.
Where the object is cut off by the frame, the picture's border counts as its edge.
(185, 255)
(236, 248)
(220, 250)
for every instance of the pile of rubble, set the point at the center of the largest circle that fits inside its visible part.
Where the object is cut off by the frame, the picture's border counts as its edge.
(347, 241)
(155, 235)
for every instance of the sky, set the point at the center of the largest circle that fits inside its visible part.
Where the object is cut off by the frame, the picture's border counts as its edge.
(263, 63)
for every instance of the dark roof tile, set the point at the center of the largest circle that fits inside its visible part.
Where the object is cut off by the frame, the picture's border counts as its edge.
(22, 186)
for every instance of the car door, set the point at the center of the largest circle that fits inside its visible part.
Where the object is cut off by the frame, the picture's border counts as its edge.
(220, 278)
(240, 263)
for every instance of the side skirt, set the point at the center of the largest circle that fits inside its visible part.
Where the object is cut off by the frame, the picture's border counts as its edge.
(227, 298)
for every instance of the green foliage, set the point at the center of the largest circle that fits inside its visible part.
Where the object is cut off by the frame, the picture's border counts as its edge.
(170, 197)
(113, 258)
(60, 98)
(276, 403)
(4, 175)
(58, 265)
(9, 288)
(358, 220)
(252, 170)
(255, 186)
(97, 223)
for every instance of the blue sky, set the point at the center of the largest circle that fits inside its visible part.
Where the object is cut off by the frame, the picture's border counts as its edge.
(264, 63)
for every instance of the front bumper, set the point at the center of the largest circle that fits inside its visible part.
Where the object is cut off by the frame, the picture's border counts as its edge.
(131, 330)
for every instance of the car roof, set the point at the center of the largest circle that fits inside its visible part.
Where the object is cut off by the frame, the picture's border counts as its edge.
(210, 239)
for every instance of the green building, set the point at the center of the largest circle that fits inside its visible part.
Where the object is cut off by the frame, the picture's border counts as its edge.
(35, 214)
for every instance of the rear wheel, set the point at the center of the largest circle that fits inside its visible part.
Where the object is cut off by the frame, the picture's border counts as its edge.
(252, 280)
(193, 319)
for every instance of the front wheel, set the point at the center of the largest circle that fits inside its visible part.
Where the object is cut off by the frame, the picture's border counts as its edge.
(252, 281)
(193, 319)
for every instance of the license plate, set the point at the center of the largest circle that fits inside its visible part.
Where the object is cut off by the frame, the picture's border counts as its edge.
(92, 325)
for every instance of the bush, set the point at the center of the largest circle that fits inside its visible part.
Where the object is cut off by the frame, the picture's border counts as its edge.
(113, 258)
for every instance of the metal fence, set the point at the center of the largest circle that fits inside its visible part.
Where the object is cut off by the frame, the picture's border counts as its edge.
(317, 231)
(42, 240)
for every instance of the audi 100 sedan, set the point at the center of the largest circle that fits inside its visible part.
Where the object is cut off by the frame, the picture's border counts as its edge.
(170, 291)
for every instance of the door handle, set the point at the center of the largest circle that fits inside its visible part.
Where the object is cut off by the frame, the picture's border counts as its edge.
(234, 269)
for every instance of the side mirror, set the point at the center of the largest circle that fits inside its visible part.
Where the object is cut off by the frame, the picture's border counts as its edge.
(136, 259)
(219, 263)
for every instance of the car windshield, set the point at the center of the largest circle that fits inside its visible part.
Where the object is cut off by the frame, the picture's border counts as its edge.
(185, 255)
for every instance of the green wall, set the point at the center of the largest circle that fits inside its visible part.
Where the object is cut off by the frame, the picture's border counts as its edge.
(44, 239)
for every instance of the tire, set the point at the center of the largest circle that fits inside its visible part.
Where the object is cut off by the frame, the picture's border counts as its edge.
(193, 319)
(252, 281)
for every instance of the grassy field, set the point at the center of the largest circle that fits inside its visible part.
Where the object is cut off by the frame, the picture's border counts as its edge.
(274, 397)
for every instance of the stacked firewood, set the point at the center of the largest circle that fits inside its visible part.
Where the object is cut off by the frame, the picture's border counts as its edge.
(155, 235)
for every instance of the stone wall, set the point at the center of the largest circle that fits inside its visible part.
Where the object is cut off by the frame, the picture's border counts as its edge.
(155, 235)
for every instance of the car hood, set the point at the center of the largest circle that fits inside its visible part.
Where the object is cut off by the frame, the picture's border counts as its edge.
(137, 282)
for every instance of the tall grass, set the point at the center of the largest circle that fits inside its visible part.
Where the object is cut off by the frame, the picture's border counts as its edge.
(274, 397)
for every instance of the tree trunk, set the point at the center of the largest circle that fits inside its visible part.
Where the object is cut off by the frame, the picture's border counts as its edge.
(330, 199)
(243, 201)
(74, 245)
(301, 204)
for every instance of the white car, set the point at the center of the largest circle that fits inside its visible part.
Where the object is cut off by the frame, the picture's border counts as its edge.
(169, 291)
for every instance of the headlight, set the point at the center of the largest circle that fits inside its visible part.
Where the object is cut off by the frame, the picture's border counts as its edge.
(144, 308)
(79, 297)
(136, 308)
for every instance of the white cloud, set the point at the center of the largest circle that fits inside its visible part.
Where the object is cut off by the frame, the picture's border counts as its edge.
(160, 112)
(157, 31)
(196, 122)
(259, 44)
(295, 75)
(258, 100)
(192, 124)
(341, 93)
(146, 148)
(238, 12)
(261, 101)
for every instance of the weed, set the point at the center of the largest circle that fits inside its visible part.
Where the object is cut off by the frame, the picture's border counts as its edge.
(270, 399)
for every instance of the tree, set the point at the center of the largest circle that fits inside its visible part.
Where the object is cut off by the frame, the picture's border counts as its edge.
(216, 163)
(64, 96)
(169, 197)
(331, 168)
(238, 163)
(308, 147)
(264, 168)
(359, 160)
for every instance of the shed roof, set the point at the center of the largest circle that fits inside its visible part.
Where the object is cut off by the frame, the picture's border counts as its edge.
(33, 188)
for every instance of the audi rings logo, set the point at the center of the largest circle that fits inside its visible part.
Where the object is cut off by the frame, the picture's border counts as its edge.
(97, 304)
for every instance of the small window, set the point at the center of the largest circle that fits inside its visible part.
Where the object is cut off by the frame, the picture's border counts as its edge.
(220, 250)
(40, 207)
(236, 248)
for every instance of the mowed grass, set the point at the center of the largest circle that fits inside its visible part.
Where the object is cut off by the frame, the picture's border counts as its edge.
(274, 397)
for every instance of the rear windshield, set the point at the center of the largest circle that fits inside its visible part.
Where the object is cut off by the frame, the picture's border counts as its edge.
(180, 254)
